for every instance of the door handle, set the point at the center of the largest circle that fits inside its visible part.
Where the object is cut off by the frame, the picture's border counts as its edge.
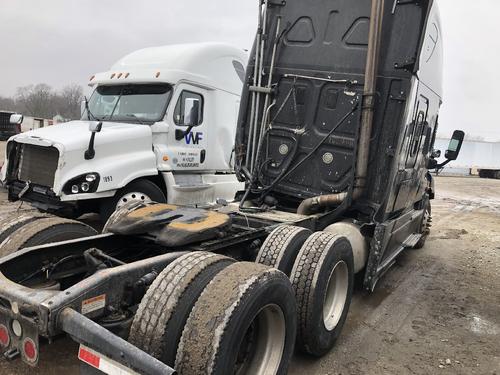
(203, 156)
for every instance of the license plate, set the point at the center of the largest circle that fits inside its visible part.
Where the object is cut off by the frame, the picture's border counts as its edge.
(102, 363)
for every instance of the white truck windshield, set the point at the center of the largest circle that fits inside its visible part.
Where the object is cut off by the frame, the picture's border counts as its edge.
(130, 103)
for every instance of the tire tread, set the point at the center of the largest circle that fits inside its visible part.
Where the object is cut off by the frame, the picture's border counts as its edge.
(163, 297)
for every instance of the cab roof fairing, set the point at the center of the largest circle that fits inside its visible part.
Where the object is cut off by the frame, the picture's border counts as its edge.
(203, 64)
(431, 53)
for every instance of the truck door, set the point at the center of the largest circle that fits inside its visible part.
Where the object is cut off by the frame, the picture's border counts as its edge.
(416, 132)
(408, 174)
(187, 141)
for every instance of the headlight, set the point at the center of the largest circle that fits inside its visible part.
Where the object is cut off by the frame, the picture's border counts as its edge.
(87, 183)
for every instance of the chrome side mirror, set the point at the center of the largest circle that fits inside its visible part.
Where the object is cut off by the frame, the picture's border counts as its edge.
(436, 154)
(95, 127)
(16, 119)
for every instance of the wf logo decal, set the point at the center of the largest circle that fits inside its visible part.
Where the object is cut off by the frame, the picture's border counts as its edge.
(194, 138)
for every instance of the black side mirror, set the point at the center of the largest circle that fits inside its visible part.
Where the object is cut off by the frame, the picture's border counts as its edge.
(455, 145)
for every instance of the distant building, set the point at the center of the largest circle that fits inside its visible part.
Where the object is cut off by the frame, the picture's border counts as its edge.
(32, 123)
(474, 156)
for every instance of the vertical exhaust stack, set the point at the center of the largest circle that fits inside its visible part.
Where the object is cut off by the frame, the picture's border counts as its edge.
(312, 205)
(375, 38)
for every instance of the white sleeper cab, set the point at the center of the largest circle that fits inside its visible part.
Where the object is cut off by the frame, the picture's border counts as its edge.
(159, 125)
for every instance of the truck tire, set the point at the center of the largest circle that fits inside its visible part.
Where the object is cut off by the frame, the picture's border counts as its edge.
(281, 247)
(425, 228)
(44, 231)
(9, 225)
(323, 281)
(244, 322)
(139, 191)
(162, 313)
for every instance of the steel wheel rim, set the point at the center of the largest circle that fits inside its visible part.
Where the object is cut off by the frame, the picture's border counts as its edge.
(270, 335)
(132, 197)
(336, 295)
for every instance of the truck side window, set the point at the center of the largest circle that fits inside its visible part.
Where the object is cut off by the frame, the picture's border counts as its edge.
(417, 133)
(181, 103)
(240, 70)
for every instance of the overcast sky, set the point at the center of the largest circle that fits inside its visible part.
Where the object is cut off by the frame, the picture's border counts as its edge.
(65, 41)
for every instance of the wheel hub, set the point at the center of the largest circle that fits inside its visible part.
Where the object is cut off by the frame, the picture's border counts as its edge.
(262, 348)
(132, 197)
(336, 295)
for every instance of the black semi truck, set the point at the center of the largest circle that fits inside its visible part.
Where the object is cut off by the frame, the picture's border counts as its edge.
(10, 124)
(334, 143)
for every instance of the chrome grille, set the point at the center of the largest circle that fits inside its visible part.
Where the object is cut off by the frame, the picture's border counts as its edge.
(5, 121)
(38, 164)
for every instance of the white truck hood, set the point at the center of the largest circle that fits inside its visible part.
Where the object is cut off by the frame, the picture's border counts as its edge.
(75, 135)
(123, 152)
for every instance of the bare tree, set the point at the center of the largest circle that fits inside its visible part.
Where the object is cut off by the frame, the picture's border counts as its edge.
(42, 101)
(8, 104)
(69, 100)
(37, 100)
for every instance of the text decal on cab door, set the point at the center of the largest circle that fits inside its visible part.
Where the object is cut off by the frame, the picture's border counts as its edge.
(194, 138)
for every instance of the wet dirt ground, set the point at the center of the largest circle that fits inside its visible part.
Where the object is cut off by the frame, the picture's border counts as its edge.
(437, 311)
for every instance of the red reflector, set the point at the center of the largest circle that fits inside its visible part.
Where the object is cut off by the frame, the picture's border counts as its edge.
(88, 357)
(4, 336)
(30, 351)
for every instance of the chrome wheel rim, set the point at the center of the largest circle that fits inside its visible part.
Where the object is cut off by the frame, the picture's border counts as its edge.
(336, 295)
(132, 197)
(262, 349)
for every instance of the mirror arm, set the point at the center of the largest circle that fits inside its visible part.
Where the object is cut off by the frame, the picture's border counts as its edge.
(90, 153)
(445, 163)
(179, 134)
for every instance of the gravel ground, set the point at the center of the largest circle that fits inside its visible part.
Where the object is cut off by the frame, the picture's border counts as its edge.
(437, 311)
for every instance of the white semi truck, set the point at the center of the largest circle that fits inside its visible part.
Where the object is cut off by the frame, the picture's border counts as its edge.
(159, 125)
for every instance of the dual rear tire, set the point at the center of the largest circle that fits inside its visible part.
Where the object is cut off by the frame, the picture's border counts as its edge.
(322, 276)
(206, 314)
(323, 281)
(36, 229)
